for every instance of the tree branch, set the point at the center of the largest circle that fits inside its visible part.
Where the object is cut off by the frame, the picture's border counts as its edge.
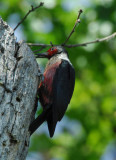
(90, 42)
(73, 30)
(40, 44)
(38, 50)
(75, 45)
(31, 10)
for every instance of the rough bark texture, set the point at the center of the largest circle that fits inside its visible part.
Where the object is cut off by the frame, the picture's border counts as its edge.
(18, 87)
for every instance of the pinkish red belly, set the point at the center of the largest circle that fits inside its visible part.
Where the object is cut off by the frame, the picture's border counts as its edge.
(46, 86)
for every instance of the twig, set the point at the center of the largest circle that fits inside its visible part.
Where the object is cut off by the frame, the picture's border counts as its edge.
(95, 41)
(75, 45)
(51, 44)
(31, 10)
(77, 22)
(39, 44)
(39, 49)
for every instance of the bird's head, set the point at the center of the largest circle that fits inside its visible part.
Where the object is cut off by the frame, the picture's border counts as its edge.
(52, 52)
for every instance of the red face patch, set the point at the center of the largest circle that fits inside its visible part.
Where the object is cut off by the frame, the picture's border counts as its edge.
(52, 51)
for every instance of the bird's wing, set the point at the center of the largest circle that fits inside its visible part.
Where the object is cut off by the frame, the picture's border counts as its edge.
(63, 86)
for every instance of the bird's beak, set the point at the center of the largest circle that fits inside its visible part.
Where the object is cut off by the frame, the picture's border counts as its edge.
(42, 55)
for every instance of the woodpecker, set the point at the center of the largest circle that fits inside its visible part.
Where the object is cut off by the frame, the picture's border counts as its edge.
(56, 88)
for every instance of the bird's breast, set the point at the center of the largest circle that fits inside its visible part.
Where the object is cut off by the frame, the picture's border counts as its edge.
(46, 86)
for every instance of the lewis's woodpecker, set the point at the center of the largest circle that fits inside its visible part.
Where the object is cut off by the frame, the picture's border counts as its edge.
(56, 88)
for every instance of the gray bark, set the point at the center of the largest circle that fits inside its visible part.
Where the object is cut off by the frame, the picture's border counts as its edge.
(18, 88)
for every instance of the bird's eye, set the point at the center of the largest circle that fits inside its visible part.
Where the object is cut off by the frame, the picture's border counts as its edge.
(52, 49)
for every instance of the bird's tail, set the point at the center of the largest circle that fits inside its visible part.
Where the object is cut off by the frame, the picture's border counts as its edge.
(38, 121)
(51, 121)
(46, 115)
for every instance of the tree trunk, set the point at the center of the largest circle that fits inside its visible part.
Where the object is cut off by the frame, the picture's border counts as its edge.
(18, 87)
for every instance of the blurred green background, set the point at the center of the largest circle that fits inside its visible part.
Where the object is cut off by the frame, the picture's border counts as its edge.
(88, 130)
